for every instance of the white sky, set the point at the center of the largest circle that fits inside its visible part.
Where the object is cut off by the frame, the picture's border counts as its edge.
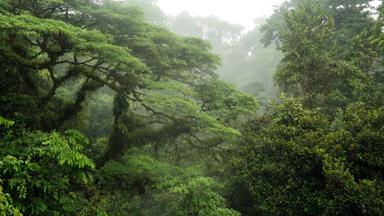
(235, 11)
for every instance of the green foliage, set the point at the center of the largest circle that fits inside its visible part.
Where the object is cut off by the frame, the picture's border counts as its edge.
(108, 47)
(310, 66)
(62, 63)
(165, 134)
(328, 56)
(65, 52)
(224, 102)
(6, 206)
(200, 120)
(5, 122)
(44, 172)
(350, 18)
(183, 109)
(297, 161)
(160, 188)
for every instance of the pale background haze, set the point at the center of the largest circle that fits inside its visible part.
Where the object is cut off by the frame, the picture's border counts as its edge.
(235, 11)
(242, 12)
